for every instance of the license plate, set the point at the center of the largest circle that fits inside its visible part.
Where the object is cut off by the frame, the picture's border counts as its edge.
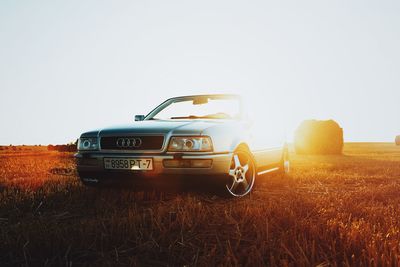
(128, 164)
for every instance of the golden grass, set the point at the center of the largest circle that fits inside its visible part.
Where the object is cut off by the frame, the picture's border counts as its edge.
(331, 211)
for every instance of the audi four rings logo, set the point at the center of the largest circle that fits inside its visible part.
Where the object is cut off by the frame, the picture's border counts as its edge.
(133, 142)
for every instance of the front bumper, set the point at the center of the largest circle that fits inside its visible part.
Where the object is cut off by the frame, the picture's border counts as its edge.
(91, 165)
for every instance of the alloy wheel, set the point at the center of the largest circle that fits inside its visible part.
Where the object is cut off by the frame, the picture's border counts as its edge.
(241, 173)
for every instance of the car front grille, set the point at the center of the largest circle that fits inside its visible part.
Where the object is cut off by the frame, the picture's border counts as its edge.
(147, 142)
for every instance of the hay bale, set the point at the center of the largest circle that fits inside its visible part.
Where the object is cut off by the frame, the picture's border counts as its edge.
(319, 137)
(397, 140)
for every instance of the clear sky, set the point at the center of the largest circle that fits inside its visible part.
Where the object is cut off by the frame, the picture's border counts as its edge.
(70, 66)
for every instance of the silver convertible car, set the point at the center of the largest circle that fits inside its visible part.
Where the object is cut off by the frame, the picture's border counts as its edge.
(200, 135)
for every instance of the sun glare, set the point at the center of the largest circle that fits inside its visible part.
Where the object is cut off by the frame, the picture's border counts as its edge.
(269, 118)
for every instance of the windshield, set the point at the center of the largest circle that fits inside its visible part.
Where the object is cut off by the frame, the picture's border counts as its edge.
(197, 108)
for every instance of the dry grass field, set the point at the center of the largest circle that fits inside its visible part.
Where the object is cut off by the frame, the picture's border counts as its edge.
(331, 211)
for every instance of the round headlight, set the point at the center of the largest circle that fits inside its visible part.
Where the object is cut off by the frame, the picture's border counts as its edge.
(86, 144)
(189, 144)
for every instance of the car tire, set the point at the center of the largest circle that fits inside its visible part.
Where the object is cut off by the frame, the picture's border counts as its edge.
(241, 175)
(284, 166)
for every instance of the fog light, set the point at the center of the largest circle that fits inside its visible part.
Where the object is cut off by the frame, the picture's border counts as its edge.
(187, 163)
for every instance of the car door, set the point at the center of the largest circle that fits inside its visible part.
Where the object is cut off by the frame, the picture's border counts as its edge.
(267, 137)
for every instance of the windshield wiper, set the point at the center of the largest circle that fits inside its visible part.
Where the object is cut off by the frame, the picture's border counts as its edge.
(210, 116)
(192, 117)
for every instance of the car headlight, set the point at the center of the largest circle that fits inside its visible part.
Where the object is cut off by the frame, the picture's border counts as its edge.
(88, 143)
(187, 143)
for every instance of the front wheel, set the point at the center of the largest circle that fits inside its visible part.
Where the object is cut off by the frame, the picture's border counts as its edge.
(242, 174)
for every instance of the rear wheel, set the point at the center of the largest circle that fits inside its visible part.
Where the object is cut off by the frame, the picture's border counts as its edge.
(285, 161)
(242, 174)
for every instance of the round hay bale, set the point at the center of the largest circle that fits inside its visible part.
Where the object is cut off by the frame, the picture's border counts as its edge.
(397, 140)
(319, 137)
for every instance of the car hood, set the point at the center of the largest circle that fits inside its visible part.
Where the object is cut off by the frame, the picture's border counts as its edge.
(180, 127)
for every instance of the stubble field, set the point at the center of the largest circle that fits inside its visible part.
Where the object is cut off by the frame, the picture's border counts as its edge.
(331, 211)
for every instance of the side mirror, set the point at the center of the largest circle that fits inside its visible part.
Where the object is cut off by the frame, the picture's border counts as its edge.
(139, 117)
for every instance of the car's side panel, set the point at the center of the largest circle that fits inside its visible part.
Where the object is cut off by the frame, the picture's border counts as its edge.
(268, 158)
(267, 142)
(229, 136)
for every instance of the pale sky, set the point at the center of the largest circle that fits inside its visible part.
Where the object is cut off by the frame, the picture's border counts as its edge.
(71, 66)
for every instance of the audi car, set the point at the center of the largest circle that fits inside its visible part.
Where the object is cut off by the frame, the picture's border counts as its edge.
(200, 136)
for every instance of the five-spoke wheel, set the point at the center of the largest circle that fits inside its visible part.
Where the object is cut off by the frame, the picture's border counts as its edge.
(242, 174)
